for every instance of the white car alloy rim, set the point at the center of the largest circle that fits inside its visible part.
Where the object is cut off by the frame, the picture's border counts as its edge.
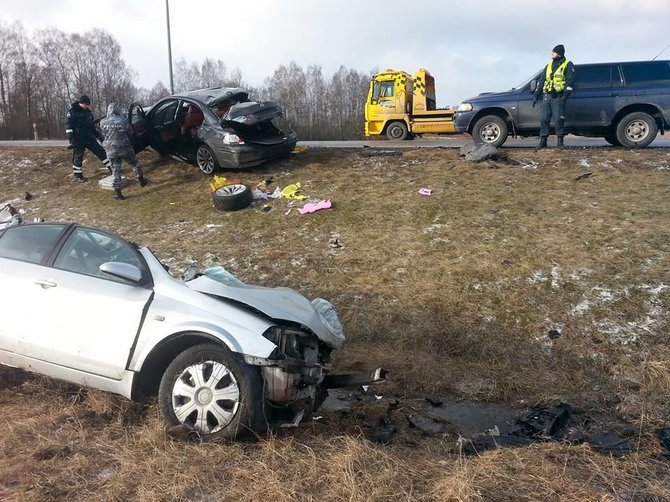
(231, 190)
(206, 396)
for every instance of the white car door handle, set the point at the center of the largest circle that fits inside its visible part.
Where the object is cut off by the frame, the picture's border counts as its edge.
(46, 284)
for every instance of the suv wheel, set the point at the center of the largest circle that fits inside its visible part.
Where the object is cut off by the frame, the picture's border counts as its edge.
(611, 139)
(490, 129)
(208, 390)
(636, 130)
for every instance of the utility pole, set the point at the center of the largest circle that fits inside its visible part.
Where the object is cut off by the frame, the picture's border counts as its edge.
(167, 12)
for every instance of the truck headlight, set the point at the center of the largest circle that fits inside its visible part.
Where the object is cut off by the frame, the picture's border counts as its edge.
(464, 107)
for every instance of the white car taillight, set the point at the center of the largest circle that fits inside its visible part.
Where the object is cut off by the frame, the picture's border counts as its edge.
(232, 139)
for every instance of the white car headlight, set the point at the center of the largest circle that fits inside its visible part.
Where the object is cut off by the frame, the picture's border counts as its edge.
(232, 139)
(464, 107)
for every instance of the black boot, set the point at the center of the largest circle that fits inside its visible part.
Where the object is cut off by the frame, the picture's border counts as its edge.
(559, 143)
(118, 195)
(543, 142)
(143, 181)
(80, 177)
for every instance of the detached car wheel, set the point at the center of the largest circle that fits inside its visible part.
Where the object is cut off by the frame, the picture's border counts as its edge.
(232, 197)
(490, 129)
(206, 159)
(209, 390)
(636, 130)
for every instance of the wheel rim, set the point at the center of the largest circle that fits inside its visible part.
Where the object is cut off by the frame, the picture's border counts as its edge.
(205, 160)
(637, 130)
(229, 190)
(396, 132)
(206, 396)
(490, 132)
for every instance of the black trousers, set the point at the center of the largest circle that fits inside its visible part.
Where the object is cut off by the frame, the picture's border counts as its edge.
(78, 154)
(553, 107)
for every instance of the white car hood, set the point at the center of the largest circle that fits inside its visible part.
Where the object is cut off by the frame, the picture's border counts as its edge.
(282, 304)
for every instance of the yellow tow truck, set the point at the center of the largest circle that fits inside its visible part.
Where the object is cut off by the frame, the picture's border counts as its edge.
(402, 106)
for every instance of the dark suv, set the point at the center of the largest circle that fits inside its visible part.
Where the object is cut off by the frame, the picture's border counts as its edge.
(625, 103)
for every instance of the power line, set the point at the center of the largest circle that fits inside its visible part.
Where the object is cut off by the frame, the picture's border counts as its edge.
(666, 48)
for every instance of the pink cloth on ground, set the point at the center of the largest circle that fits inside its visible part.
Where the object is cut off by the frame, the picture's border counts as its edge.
(311, 207)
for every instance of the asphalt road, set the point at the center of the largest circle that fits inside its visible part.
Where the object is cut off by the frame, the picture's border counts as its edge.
(439, 142)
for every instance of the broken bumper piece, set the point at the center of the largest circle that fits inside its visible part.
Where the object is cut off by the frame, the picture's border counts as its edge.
(354, 379)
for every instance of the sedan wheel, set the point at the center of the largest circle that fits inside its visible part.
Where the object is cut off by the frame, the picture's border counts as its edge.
(206, 159)
(232, 197)
(208, 390)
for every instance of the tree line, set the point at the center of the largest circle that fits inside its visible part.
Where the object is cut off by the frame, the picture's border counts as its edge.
(43, 74)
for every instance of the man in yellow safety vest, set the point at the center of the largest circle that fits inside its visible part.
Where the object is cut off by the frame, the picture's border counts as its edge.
(554, 87)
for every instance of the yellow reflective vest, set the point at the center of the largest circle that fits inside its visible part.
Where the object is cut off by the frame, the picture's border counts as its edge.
(555, 82)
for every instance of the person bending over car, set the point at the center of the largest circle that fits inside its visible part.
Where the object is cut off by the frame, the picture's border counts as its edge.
(554, 88)
(118, 132)
(82, 134)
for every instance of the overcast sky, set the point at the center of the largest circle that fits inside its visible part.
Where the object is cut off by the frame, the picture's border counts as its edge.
(469, 46)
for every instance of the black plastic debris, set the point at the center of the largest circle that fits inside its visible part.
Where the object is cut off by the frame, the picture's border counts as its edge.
(385, 430)
(583, 176)
(27, 196)
(610, 442)
(425, 425)
(664, 436)
(553, 334)
(435, 400)
(481, 153)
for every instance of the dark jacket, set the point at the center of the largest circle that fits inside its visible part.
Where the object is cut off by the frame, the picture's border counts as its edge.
(80, 125)
(117, 131)
(555, 63)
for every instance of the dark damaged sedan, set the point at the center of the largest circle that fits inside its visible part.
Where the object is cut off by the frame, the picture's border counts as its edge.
(214, 128)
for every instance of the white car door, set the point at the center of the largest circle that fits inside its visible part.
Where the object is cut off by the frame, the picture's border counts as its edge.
(86, 321)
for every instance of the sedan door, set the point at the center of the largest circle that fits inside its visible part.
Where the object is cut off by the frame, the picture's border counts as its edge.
(85, 320)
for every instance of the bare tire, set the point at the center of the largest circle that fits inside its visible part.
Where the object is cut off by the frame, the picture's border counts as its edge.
(232, 197)
(209, 390)
(206, 159)
(636, 130)
(490, 129)
(397, 131)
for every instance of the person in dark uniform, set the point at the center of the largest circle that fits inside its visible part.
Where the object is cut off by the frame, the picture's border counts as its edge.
(554, 88)
(118, 135)
(82, 134)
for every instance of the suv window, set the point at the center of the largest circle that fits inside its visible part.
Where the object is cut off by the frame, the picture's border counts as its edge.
(31, 243)
(648, 73)
(593, 77)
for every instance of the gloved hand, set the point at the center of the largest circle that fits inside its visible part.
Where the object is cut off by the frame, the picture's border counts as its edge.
(537, 97)
(71, 141)
(568, 92)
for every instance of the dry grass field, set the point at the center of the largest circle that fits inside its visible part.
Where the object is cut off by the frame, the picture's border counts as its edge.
(455, 293)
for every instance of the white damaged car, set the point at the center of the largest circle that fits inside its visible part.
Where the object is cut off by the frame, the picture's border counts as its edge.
(89, 307)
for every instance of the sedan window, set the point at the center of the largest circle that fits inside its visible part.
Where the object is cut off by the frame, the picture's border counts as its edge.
(31, 243)
(85, 250)
(165, 113)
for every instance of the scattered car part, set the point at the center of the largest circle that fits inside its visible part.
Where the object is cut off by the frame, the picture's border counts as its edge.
(232, 197)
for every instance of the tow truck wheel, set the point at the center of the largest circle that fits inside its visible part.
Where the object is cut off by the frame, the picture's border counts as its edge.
(490, 129)
(397, 131)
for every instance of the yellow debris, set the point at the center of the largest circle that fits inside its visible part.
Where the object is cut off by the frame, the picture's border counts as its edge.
(290, 192)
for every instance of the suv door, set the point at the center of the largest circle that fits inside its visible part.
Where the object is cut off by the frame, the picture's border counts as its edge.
(596, 97)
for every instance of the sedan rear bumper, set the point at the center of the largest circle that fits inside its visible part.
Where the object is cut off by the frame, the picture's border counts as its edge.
(251, 154)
